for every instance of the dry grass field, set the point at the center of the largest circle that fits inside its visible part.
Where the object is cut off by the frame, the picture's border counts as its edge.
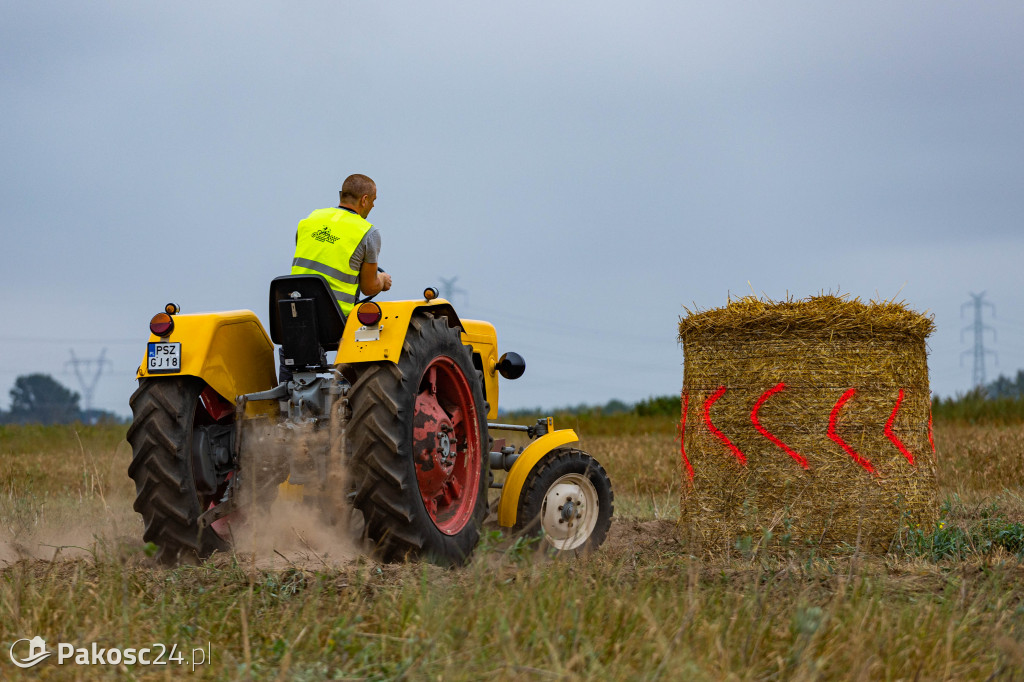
(945, 603)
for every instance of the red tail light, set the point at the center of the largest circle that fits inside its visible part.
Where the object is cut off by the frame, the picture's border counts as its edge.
(162, 324)
(368, 314)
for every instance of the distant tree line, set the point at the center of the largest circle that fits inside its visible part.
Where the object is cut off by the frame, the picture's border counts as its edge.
(1001, 401)
(41, 399)
(1005, 387)
(660, 406)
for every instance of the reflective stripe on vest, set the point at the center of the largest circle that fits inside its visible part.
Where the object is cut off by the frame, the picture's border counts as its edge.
(324, 245)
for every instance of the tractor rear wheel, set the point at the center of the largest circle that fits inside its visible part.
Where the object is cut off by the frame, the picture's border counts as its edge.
(567, 500)
(419, 447)
(166, 412)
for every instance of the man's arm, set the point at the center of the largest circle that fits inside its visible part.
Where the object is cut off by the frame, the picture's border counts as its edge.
(372, 282)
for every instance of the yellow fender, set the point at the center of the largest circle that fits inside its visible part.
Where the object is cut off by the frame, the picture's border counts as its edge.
(508, 506)
(386, 340)
(390, 332)
(230, 351)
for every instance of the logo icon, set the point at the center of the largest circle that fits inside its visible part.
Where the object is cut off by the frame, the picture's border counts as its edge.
(36, 652)
(324, 235)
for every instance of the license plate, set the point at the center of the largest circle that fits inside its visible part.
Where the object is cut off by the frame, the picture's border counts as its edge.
(164, 357)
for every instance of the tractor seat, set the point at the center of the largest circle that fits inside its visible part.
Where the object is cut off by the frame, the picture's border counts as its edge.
(305, 320)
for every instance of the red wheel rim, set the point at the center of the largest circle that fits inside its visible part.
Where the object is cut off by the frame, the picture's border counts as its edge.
(212, 409)
(446, 446)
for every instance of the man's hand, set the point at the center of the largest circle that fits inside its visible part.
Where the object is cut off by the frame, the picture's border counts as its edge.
(373, 281)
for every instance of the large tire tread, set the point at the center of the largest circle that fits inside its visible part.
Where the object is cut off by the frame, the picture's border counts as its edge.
(160, 436)
(380, 432)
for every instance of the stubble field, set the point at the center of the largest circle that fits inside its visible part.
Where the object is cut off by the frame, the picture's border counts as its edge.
(945, 603)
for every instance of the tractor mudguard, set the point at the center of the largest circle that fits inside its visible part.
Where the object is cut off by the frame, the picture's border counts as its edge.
(384, 341)
(230, 351)
(508, 506)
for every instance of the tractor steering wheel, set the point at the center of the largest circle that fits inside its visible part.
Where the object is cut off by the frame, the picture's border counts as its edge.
(369, 298)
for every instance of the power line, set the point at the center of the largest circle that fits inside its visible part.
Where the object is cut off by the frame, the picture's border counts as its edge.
(64, 339)
(979, 328)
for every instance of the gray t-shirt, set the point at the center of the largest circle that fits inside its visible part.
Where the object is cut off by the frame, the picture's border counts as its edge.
(367, 251)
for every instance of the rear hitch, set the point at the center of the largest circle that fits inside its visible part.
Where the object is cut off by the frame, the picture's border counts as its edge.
(543, 426)
(226, 506)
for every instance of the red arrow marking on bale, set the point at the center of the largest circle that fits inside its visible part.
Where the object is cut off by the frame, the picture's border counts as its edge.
(718, 434)
(892, 436)
(839, 441)
(764, 432)
(682, 437)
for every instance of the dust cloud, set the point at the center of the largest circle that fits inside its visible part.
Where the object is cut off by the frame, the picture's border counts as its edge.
(295, 534)
(90, 529)
(291, 529)
(310, 526)
(291, 533)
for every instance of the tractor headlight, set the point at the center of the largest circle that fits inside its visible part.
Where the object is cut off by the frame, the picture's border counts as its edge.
(511, 365)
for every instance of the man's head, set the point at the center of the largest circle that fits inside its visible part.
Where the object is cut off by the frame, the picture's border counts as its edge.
(358, 193)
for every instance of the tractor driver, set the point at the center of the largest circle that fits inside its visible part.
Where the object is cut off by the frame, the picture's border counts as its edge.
(339, 244)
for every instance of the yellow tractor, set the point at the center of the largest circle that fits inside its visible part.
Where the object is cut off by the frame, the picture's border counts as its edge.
(398, 427)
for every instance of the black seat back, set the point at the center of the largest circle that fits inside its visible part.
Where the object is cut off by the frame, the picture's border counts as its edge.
(305, 320)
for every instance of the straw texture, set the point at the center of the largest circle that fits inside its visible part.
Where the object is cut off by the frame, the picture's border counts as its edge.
(808, 418)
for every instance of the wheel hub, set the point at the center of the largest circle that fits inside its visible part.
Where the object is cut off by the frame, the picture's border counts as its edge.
(434, 442)
(446, 446)
(569, 512)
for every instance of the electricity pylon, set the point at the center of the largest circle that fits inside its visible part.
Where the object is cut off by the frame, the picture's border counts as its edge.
(979, 328)
(82, 367)
(449, 290)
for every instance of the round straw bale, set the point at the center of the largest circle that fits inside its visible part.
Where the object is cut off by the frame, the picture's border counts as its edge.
(810, 419)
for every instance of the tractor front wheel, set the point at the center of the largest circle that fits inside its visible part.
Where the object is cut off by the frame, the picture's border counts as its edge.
(419, 447)
(567, 500)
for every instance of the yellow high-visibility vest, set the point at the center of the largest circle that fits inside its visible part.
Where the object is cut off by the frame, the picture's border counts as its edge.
(325, 242)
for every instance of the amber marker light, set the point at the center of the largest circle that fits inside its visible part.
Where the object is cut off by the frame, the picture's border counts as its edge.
(368, 314)
(161, 324)
(430, 293)
(172, 309)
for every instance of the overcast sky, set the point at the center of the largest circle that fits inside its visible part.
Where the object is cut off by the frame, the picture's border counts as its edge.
(584, 168)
